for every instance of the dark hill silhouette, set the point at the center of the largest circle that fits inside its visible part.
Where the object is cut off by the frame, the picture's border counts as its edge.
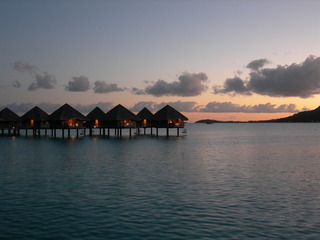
(307, 116)
(207, 121)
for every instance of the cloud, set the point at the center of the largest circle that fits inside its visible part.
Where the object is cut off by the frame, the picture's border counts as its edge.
(222, 107)
(85, 109)
(24, 67)
(16, 84)
(188, 84)
(213, 107)
(255, 65)
(233, 85)
(138, 91)
(51, 107)
(296, 80)
(301, 80)
(152, 106)
(78, 84)
(44, 81)
(178, 105)
(103, 87)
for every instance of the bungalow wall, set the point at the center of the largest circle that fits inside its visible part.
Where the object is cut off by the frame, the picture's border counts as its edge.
(145, 123)
(71, 123)
(34, 124)
(177, 123)
(121, 124)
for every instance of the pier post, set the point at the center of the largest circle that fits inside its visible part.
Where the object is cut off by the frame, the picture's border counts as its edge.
(178, 132)
(167, 132)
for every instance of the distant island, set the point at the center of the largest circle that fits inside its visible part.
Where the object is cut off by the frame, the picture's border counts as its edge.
(306, 116)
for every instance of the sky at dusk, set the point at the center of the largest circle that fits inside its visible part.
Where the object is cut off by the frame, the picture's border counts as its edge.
(224, 60)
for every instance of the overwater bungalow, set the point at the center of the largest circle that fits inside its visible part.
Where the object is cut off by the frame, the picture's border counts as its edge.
(34, 119)
(66, 117)
(9, 120)
(97, 119)
(120, 117)
(168, 117)
(146, 119)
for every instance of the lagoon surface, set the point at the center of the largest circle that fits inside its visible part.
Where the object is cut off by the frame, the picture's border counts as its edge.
(220, 181)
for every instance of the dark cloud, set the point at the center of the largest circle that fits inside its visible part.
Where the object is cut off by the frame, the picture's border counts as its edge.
(189, 106)
(300, 80)
(233, 85)
(221, 107)
(188, 84)
(255, 65)
(44, 81)
(16, 84)
(24, 67)
(152, 106)
(85, 109)
(103, 87)
(78, 84)
(138, 91)
(296, 80)
(178, 105)
(51, 107)
(214, 107)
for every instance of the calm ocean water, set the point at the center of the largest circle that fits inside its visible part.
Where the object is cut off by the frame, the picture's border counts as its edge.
(220, 181)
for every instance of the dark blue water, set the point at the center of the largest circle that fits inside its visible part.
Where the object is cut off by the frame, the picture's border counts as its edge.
(220, 181)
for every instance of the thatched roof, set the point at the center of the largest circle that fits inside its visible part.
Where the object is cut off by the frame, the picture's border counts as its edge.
(97, 114)
(168, 113)
(120, 113)
(145, 114)
(66, 112)
(36, 114)
(6, 115)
